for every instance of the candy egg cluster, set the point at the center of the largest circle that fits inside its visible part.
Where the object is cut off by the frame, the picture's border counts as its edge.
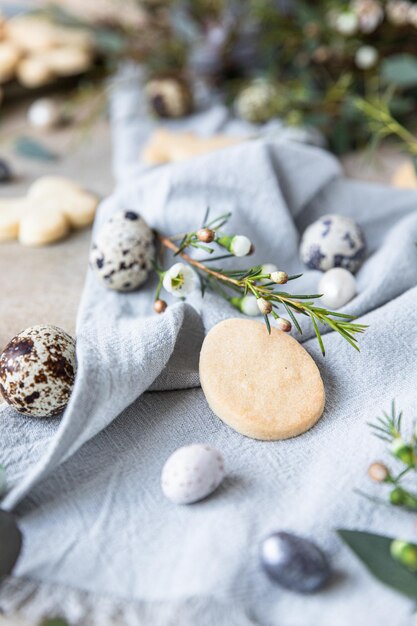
(335, 245)
(37, 371)
(123, 251)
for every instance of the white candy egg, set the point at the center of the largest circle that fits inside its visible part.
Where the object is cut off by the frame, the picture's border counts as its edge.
(123, 251)
(192, 473)
(44, 113)
(338, 287)
(333, 241)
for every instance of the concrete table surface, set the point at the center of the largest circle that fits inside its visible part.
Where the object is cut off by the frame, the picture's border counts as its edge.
(44, 284)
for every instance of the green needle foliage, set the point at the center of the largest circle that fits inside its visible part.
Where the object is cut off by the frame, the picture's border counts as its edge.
(235, 284)
(403, 449)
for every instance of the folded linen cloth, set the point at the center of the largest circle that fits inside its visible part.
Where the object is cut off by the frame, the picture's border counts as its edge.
(101, 541)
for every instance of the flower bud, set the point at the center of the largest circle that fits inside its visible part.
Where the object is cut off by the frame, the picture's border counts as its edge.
(264, 306)
(239, 245)
(378, 472)
(280, 278)
(247, 305)
(405, 553)
(401, 497)
(205, 235)
(159, 306)
(403, 451)
(284, 324)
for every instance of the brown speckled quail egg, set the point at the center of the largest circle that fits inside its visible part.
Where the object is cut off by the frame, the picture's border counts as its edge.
(192, 473)
(123, 251)
(37, 371)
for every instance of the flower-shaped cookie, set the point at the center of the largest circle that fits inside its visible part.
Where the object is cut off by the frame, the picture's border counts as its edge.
(52, 207)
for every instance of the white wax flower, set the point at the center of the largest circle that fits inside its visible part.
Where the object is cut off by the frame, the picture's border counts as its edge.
(180, 280)
(267, 268)
(240, 245)
(346, 23)
(366, 57)
(249, 306)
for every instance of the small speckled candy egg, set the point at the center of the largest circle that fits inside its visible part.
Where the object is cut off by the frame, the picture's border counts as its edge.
(192, 473)
(122, 252)
(333, 241)
(338, 287)
(37, 371)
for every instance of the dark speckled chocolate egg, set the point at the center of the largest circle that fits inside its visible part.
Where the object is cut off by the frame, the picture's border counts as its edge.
(37, 371)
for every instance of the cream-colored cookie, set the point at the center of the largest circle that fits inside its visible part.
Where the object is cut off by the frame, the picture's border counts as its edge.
(11, 212)
(75, 37)
(165, 146)
(263, 386)
(52, 206)
(405, 176)
(52, 185)
(33, 72)
(9, 59)
(32, 33)
(78, 205)
(43, 226)
(67, 60)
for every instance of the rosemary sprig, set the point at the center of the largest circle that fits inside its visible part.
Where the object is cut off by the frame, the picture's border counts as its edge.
(382, 124)
(261, 285)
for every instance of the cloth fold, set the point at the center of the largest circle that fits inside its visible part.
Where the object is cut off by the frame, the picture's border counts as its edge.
(86, 489)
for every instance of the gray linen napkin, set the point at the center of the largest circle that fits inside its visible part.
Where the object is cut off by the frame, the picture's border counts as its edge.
(86, 489)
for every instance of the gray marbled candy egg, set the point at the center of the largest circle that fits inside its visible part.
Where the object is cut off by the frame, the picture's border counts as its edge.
(123, 251)
(333, 241)
(294, 562)
(37, 371)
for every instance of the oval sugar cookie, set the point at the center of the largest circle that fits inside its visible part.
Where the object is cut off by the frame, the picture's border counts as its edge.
(263, 386)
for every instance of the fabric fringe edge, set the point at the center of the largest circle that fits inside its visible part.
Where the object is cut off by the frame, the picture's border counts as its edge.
(24, 602)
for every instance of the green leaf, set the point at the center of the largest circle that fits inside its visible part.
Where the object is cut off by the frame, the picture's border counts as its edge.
(400, 70)
(54, 621)
(374, 551)
(28, 147)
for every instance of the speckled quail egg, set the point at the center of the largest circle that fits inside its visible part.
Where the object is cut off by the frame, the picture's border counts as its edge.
(123, 251)
(333, 241)
(294, 562)
(169, 97)
(192, 473)
(37, 371)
